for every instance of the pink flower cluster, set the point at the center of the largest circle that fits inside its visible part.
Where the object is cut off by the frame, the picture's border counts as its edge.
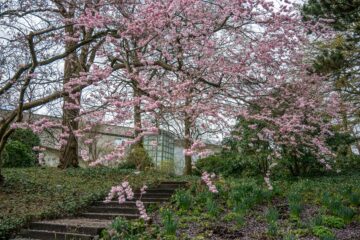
(206, 177)
(197, 148)
(143, 189)
(142, 210)
(122, 191)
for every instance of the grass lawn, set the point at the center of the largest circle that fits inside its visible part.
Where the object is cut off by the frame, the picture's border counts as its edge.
(325, 208)
(38, 193)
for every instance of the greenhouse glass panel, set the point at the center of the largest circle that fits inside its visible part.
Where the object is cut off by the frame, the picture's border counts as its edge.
(160, 148)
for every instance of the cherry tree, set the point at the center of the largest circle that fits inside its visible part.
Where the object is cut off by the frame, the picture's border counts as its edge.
(31, 54)
(199, 61)
(294, 119)
(78, 62)
(171, 51)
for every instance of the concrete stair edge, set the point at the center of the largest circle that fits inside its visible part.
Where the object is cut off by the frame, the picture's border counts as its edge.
(101, 211)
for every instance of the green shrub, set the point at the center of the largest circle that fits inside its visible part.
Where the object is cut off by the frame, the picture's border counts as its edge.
(272, 216)
(295, 204)
(127, 165)
(225, 164)
(323, 233)
(183, 199)
(18, 151)
(245, 196)
(351, 195)
(337, 208)
(340, 143)
(333, 222)
(169, 222)
(25, 136)
(139, 157)
(289, 237)
(354, 198)
(18, 155)
(123, 229)
(212, 207)
(344, 212)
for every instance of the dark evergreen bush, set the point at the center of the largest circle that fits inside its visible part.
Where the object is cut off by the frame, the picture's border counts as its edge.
(18, 150)
(17, 154)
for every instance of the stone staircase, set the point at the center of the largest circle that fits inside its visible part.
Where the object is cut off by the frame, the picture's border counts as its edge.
(95, 218)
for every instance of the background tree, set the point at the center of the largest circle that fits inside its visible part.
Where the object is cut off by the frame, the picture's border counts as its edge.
(338, 54)
(30, 57)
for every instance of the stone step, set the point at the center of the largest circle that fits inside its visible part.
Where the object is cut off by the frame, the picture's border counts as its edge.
(49, 235)
(109, 216)
(158, 190)
(170, 186)
(143, 199)
(174, 182)
(80, 225)
(99, 215)
(113, 209)
(130, 204)
(153, 195)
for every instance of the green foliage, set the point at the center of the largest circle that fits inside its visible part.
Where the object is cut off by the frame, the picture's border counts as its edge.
(167, 166)
(139, 157)
(127, 165)
(333, 222)
(351, 195)
(18, 150)
(123, 229)
(289, 237)
(183, 199)
(295, 204)
(240, 219)
(323, 233)
(272, 216)
(339, 58)
(247, 153)
(169, 222)
(225, 164)
(336, 207)
(245, 196)
(345, 13)
(345, 212)
(306, 164)
(340, 143)
(25, 136)
(18, 155)
(212, 207)
(241, 201)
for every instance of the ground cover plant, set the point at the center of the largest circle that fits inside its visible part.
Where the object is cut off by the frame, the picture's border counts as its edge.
(322, 208)
(37, 193)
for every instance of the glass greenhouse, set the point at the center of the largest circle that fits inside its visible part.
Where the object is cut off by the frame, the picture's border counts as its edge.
(160, 148)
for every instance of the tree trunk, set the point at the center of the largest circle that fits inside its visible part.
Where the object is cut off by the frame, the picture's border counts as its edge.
(5, 134)
(137, 116)
(187, 145)
(2, 178)
(2, 146)
(69, 152)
